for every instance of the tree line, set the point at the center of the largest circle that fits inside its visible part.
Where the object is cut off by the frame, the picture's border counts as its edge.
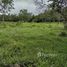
(25, 16)
(57, 11)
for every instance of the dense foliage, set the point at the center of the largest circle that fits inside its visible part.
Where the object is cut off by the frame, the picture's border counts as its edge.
(25, 16)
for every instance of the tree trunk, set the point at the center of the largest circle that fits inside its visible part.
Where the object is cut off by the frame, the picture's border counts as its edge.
(3, 18)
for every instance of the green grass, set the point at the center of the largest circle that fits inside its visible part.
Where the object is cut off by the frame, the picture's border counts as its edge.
(38, 42)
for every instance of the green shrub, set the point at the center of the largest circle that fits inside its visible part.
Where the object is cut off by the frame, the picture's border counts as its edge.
(64, 34)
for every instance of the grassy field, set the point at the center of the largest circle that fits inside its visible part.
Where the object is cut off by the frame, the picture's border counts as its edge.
(33, 42)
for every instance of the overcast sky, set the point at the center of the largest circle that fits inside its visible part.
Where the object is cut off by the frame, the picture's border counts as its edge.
(24, 4)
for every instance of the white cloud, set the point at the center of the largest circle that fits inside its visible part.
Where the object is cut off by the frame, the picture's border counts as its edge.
(24, 4)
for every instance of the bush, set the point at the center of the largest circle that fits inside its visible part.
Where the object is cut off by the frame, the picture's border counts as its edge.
(64, 34)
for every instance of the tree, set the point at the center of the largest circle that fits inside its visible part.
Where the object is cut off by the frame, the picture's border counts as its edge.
(57, 5)
(5, 7)
(24, 15)
(61, 7)
(48, 16)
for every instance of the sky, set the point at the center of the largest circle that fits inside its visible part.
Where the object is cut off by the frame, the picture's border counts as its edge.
(25, 4)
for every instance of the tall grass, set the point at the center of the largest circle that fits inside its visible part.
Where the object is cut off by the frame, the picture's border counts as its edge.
(37, 42)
